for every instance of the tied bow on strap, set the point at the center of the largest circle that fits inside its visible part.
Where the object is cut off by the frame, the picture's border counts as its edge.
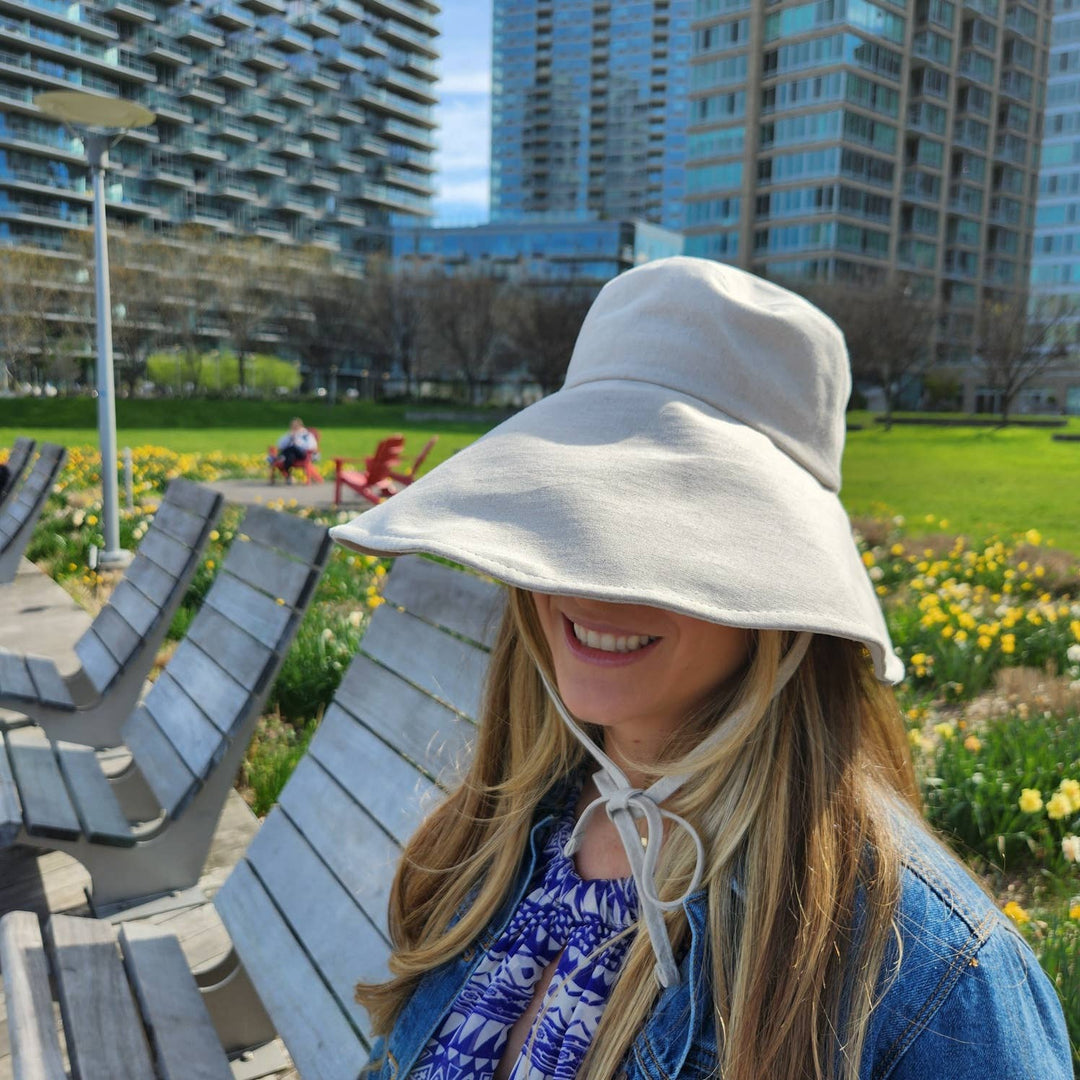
(625, 805)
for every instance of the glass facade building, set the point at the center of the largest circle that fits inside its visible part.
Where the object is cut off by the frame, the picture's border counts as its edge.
(566, 252)
(854, 139)
(300, 121)
(1055, 270)
(589, 109)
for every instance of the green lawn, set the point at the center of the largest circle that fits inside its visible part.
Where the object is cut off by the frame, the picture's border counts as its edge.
(981, 480)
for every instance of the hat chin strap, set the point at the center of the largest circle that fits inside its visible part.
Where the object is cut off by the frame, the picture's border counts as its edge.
(624, 804)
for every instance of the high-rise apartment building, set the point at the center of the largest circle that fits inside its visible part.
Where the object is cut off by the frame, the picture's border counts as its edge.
(850, 139)
(589, 109)
(302, 121)
(1055, 271)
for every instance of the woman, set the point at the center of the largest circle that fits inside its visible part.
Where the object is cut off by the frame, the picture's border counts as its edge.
(688, 612)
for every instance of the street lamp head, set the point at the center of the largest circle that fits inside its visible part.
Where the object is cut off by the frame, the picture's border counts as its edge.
(92, 111)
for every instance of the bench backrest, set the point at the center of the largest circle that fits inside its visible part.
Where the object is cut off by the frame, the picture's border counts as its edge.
(16, 463)
(21, 511)
(142, 606)
(386, 457)
(306, 907)
(212, 688)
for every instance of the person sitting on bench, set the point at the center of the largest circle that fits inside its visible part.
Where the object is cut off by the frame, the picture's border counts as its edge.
(294, 446)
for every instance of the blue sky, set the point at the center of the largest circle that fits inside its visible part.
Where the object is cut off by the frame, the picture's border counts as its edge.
(464, 113)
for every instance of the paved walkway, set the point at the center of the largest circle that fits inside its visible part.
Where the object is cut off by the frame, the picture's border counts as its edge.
(38, 616)
(253, 492)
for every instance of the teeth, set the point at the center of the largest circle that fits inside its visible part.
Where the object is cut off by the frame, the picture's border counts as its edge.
(610, 642)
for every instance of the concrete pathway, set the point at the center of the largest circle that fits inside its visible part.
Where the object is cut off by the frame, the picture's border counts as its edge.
(253, 492)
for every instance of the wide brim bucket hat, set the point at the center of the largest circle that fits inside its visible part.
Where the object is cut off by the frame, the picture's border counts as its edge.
(691, 461)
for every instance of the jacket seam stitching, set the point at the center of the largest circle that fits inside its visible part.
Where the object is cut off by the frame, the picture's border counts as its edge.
(652, 1054)
(948, 980)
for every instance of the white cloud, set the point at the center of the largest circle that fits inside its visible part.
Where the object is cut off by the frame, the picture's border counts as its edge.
(472, 190)
(465, 82)
(464, 136)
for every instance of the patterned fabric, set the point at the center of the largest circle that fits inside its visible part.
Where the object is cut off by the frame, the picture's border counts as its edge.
(561, 916)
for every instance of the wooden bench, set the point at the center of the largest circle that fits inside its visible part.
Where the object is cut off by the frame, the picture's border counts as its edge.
(119, 648)
(306, 907)
(19, 516)
(21, 451)
(147, 830)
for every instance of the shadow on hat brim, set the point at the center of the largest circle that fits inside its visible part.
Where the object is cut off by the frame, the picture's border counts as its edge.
(629, 492)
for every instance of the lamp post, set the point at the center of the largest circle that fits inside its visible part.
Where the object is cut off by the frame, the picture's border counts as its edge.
(101, 123)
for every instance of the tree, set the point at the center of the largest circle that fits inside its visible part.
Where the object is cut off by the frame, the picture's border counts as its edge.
(462, 325)
(189, 302)
(1016, 344)
(248, 294)
(391, 318)
(541, 324)
(887, 330)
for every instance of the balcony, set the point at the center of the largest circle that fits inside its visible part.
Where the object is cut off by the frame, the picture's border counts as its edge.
(285, 197)
(409, 135)
(227, 127)
(156, 45)
(405, 178)
(90, 21)
(47, 213)
(262, 163)
(321, 236)
(256, 107)
(199, 88)
(360, 39)
(401, 10)
(130, 10)
(315, 128)
(229, 72)
(286, 37)
(316, 23)
(418, 89)
(196, 29)
(348, 215)
(269, 228)
(345, 11)
(167, 168)
(247, 47)
(344, 161)
(266, 7)
(229, 15)
(290, 145)
(284, 88)
(308, 70)
(201, 213)
(165, 103)
(410, 39)
(227, 185)
(359, 89)
(196, 145)
(337, 57)
(318, 178)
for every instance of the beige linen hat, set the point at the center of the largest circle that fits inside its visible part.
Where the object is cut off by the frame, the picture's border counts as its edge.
(691, 461)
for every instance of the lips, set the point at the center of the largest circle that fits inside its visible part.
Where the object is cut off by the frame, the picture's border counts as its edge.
(608, 646)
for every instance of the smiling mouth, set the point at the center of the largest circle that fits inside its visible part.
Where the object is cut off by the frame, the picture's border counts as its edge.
(610, 642)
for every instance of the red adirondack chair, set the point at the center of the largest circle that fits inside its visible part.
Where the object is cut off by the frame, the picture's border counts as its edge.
(409, 475)
(376, 482)
(306, 464)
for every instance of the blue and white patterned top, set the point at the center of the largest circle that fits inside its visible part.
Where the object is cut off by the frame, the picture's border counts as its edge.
(561, 916)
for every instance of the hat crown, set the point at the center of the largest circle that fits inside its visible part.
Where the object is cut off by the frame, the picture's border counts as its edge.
(747, 347)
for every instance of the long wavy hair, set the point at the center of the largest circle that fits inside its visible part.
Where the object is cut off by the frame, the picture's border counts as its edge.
(791, 804)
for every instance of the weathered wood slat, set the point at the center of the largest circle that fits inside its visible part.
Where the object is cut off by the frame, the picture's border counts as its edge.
(260, 615)
(48, 682)
(358, 852)
(10, 804)
(333, 930)
(301, 539)
(238, 652)
(194, 498)
(161, 766)
(94, 801)
(137, 610)
(169, 554)
(15, 680)
(211, 687)
(118, 635)
(382, 781)
(47, 809)
(98, 664)
(268, 570)
(104, 1033)
(155, 584)
(460, 601)
(446, 667)
(35, 1045)
(196, 740)
(176, 522)
(185, 1044)
(321, 1038)
(422, 729)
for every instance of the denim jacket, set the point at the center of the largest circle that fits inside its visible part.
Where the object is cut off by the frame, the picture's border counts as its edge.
(969, 1001)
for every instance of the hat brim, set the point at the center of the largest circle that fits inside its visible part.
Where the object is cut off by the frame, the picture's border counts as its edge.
(629, 492)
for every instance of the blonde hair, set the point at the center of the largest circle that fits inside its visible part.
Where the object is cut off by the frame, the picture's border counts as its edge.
(791, 805)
